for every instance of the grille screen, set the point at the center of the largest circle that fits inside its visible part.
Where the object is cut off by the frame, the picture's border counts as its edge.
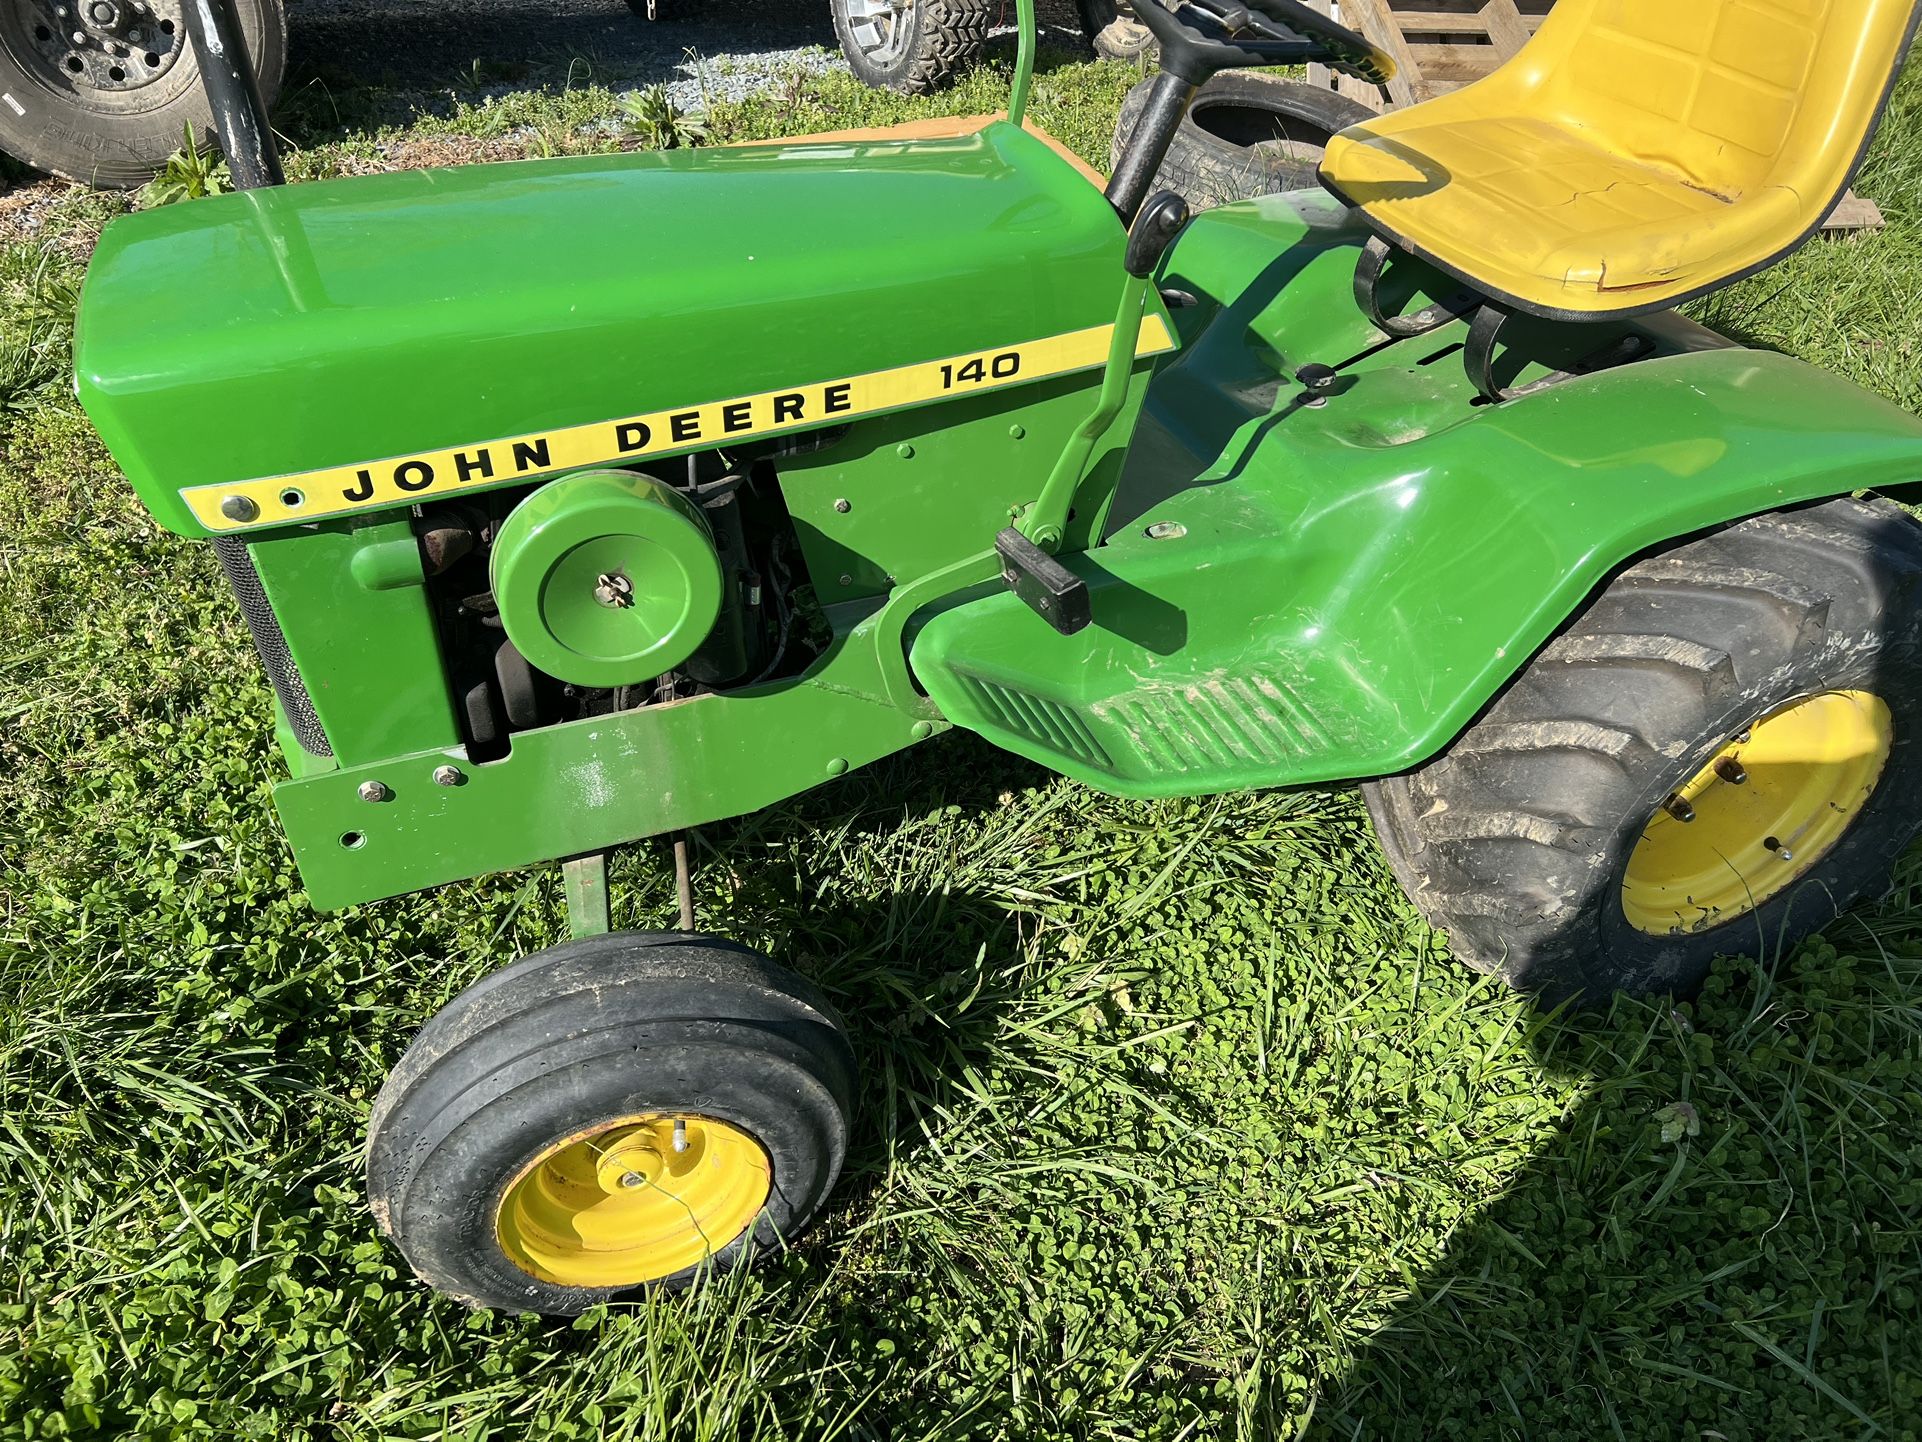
(271, 645)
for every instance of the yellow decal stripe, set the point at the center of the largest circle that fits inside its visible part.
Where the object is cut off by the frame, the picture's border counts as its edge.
(407, 480)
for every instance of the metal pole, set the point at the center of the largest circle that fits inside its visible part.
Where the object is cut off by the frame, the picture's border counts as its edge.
(1023, 62)
(240, 116)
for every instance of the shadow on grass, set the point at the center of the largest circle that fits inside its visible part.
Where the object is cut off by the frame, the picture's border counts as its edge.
(1720, 1242)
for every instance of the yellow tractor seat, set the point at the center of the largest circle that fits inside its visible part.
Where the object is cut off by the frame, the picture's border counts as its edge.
(1635, 153)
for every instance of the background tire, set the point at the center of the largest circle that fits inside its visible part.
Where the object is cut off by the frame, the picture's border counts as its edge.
(1243, 136)
(1113, 31)
(116, 119)
(579, 1038)
(913, 48)
(1516, 842)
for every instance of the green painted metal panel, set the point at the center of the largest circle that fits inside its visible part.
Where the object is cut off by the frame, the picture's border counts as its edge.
(1340, 588)
(350, 601)
(344, 321)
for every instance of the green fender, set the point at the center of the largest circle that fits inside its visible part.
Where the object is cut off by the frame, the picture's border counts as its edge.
(1331, 593)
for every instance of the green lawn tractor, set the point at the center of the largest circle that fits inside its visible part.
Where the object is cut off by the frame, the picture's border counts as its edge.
(577, 501)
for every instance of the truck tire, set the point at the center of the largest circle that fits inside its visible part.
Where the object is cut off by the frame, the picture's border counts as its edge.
(1719, 755)
(105, 96)
(1243, 136)
(913, 47)
(1114, 32)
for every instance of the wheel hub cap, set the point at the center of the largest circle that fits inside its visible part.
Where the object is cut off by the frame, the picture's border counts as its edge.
(1767, 807)
(110, 45)
(880, 27)
(633, 1201)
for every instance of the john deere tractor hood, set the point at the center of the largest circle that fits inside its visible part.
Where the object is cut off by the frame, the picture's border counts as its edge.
(375, 340)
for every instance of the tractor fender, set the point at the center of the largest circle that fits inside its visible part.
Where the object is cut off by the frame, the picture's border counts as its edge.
(1345, 587)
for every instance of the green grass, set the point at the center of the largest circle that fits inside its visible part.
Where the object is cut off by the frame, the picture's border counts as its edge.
(1175, 1121)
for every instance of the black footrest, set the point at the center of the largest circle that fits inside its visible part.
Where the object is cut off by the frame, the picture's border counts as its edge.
(1048, 588)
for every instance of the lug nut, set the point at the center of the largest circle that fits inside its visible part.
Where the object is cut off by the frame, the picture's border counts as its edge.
(843, 506)
(448, 776)
(632, 1179)
(680, 1134)
(1730, 770)
(1678, 808)
(374, 791)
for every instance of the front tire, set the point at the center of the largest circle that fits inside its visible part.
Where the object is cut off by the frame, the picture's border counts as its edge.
(1718, 756)
(913, 47)
(108, 107)
(618, 1112)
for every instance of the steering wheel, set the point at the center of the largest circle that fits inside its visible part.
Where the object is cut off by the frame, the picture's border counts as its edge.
(1199, 37)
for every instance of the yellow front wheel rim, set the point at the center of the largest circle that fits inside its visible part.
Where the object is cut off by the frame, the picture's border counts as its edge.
(1765, 809)
(633, 1200)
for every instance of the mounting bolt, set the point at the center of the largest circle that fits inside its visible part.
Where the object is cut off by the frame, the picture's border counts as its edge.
(680, 1134)
(844, 505)
(135, 36)
(239, 508)
(1017, 431)
(1678, 808)
(375, 791)
(611, 588)
(904, 451)
(448, 776)
(1730, 770)
(80, 37)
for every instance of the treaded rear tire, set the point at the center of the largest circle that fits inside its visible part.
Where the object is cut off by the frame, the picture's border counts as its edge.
(1515, 841)
(1244, 135)
(947, 37)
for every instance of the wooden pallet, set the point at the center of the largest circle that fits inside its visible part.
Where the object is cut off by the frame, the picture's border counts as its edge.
(1442, 45)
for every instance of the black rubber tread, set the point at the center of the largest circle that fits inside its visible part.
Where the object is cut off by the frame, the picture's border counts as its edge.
(1207, 170)
(1114, 34)
(123, 149)
(585, 1032)
(1514, 841)
(948, 36)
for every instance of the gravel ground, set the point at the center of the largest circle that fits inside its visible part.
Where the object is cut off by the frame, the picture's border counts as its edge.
(735, 49)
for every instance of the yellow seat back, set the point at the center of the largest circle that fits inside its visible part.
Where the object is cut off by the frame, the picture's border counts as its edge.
(1635, 152)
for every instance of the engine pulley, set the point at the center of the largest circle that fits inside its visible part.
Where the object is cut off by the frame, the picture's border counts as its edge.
(606, 578)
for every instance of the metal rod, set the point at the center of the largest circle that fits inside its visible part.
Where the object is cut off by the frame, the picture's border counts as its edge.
(683, 881)
(584, 878)
(1048, 517)
(1153, 133)
(1023, 62)
(240, 116)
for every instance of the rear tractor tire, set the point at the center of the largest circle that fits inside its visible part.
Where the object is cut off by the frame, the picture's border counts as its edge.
(1715, 758)
(619, 1112)
(913, 47)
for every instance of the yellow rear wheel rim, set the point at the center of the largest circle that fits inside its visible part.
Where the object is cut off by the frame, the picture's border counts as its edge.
(1765, 809)
(632, 1200)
